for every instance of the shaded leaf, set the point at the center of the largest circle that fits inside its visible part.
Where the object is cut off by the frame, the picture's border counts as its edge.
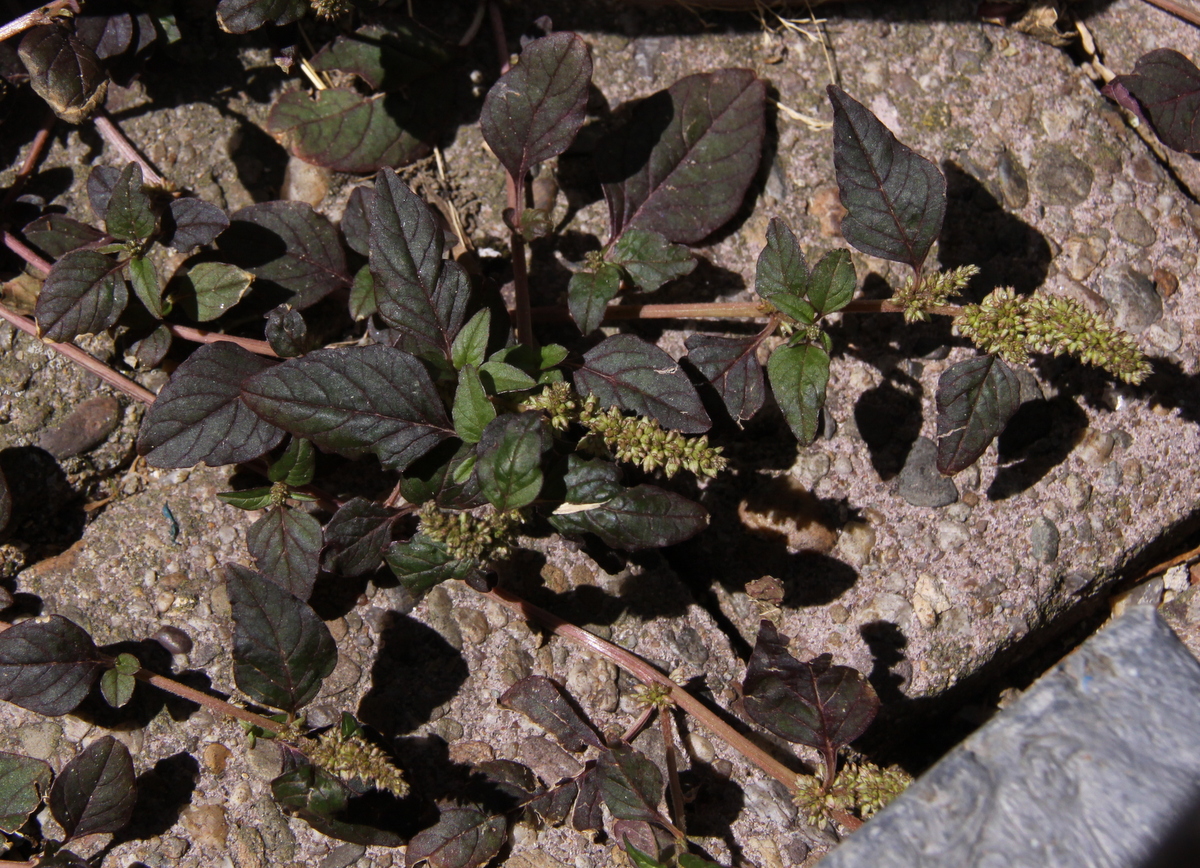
(153, 348)
(446, 476)
(534, 110)
(975, 400)
(418, 294)
(588, 295)
(242, 16)
(189, 222)
(500, 377)
(421, 563)
(55, 235)
(470, 344)
(343, 130)
(816, 703)
(798, 377)
(554, 805)
(649, 259)
(627, 372)
(83, 294)
(590, 480)
(363, 301)
(631, 784)
(287, 332)
(731, 365)
(100, 183)
(781, 276)
(24, 781)
(96, 791)
(354, 400)
(461, 838)
(895, 199)
(129, 216)
(47, 664)
(323, 801)
(513, 782)
(288, 244)
(1164, 85)
(588, 815)
(472, 409)
(297, 465)
(683, 163)
(831, 284)
(641, 517)
(356, 225)
(385, 58)
(211, 288)
(107, 35)
(199, 415)
(117, 687)
(281, 650)
(64, 71)
(356, 536)
(545, 703)
(286, 546)
(145, 285)
(510, 459)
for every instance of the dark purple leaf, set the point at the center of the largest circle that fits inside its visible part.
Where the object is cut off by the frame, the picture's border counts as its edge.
(356, 220)
(55, 235)
(128, 216)
(96, 792)
(356, 536)
(461, 838)
(589, 293)
(418, 293)
(895, 199)
(153, 348)
(322, 800)
(1166, 86)
(1120, 94)
(287, 332)
(641, 517)
(510, 459)
(83, 294)
(191, 222)
(975, 400)
(281, 650)
(649, 259)
(798, 378)
(545, 703)
(47, 665)
(289, 244)
(24, 782)
(816, 703)
(554, 805)
(507, 778)
(354, 400)
(242, 16)
(64, 71)
(107, 35)
(632, 785)
(343, 130)
(385, 58)
(199, 415)
(731, 365)
(100, 183)
(421, 563)
(588, 815)
(286, 545)
(683, 163)
(627, 372)
(533, 112)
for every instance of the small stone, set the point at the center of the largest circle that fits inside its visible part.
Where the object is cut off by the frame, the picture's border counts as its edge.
(214, 756)
(304, 182)
(768, 589)
(1131, 473)
(39, 740)
(1166, 334)
(1081, 255)
(701, 747)
(1166, 281)
(961, 511)
(473, 625)
(1149, 593)
(952, 535)
(85, 427)
(592, 682)
(1079, 492)
(826, 206)
(1176, 579)
(1131, 296)
(838, 613)
(919, 481)
(1131, 226)
(1096, 446)
(265, 759)
(1110, 477)
(1061, 177)
(248, 848)
(343, 856)
(783, 509)
(811, 467)
(771, 801)
(206, 824)
(843, 466)
(1043, 540)
(690, 645)
(890, 608)
(1013, 184)
(471, 752)
(856, 542)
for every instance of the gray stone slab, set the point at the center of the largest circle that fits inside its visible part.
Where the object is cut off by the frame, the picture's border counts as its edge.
(1097, 765)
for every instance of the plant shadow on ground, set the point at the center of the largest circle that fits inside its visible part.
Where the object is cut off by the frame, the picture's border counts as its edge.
(50, 514)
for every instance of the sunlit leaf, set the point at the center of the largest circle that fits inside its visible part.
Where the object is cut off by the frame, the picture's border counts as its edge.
(640, 859)
(461, 838)
(208, 289)
(286, 546)
(47, 664)
(649, 259)
(357, 535)
(363, 301)
(831, 284)
(385, 58)
(895, 199)
(683, 163)
(323, 801)
(96, 791)
(242, 16)
(1165, 86)
(510, 457)
(589, 293)
(281, 650)
(472, 409)
(421, 563)
(250, 498)
(470, 345)
(554, 805)
(153, 348)
(83, 294)
(199, 415)
(146, 287)
(798, 378)
(781, 276)
(24, 782)
(64, 71)
(129, 216)
(189, 222)
(500, 377)
(731, 365)
(975, 399)
(117, 687)
(588, 815)
(632, 785)
(545, 703)
(297, 465)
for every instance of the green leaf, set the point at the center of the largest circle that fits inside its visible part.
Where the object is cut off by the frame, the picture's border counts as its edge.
(640, 859)
(627, 372)
(96, 791)
(363, 301)
(798, 378)
(297, 465)
(199, 415)
(691, 860)
(782, 274)
(55, 235)
(510, 459)
(975, 399)
(242, 16)
(472, 409)
(47, 664)
(631, 784)
(211, 288)
(64, 71)
(895, 199)
(683, 163)
(127, 664)
(831, 284)
(281, 650)
(146, 287)
(534, 111)
(421, 563)
(321, 800)
(649, 259)
(286, 546)
(354, 400)
(731, 365)
(419, 295)
(83, 294)
(356, 536)
(385, 58)
(545, 703)
(589, 293)
(117, 687)
(446, 476)
(23, 783)
(1166, 86)
(129, 216)
(461, 838)
(500, 377)
(641, 517)
(251, 498)
(470, 344)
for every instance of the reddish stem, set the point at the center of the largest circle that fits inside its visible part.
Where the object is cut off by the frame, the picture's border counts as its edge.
(201, 336)
(498, 33)
(668, 737)
(112, 134)
(210, 702)
(36, 149)
(722, 310)
(41, 15)
(19, 247)
(1176, 9)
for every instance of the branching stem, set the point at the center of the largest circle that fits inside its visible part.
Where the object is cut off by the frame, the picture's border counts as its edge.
(41, 15)
(36, 149)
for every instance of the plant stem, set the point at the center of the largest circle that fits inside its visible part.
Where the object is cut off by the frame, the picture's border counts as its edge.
(19, 247)
(112, 134)
(210, 702)
(1175, 9)
(668, 737)
(201, 336)
(647, 674)
(523, 313)
(498, 33)
(638, 725)
(41, 15)
(36, 149)
(722, 310)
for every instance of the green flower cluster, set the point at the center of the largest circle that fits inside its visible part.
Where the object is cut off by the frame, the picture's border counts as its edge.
(860, 788)
(1014, 326)
(929, 291)
(329, 9)
(351, 757)
(468, 535)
